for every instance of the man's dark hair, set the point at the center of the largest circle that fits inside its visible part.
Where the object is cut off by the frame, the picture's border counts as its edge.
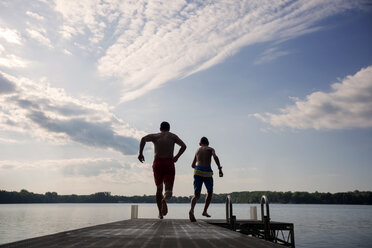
(164, 126)
(204, 141)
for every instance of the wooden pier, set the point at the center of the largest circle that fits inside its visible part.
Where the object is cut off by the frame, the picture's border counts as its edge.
(148, 233)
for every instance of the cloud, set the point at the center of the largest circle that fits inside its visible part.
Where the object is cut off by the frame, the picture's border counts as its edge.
(103, 169)
(270, 55)
(13, 61)
(6, 86)
(65, 51)
(118, 171)
(85, 14)
(11, 141)
(92, 167)
(146, 44)
(39, 34)
(53, 115)
(35, 15)
(347, 105)
(67, 32)
(11, 36)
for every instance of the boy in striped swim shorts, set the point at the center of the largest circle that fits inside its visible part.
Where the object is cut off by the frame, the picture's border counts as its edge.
(203, 174)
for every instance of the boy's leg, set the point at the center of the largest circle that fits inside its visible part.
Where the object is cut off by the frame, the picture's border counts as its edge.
(208, 181)
(194, 200)
(207, 202)
(193, 203)
(198, 181)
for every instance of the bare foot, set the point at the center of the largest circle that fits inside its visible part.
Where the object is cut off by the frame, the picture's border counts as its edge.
(192, 217)
(206, 214)
(164, 208)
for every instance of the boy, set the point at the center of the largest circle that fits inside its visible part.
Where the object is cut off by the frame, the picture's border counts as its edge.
(203, 174)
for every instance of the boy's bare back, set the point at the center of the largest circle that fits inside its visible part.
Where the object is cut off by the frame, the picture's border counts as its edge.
(204, 156)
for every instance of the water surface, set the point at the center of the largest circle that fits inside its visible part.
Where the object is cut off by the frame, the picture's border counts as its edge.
(343, 226)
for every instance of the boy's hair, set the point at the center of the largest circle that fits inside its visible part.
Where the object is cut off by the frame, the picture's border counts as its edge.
(164, 126)
(204, 141)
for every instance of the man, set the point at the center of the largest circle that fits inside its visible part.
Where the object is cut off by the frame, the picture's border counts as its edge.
(203, 174)
(163, 166)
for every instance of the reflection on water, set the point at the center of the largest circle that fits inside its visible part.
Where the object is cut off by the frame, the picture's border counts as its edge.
(328, 226)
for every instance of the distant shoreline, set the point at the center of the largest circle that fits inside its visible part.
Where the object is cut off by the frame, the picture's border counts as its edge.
(351, 198)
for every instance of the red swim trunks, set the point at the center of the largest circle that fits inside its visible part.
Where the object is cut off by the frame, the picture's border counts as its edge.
(164, 170)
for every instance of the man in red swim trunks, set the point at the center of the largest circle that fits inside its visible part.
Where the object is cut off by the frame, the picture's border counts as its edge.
(163, 165)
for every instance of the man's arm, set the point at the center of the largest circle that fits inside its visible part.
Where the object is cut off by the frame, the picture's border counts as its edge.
(144, 139)
(182, 149)
(217, 162)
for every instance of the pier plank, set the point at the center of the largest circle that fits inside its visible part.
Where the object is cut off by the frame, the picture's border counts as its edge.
(147, 233)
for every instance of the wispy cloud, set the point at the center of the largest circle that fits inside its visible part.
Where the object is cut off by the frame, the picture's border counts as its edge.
(35, 15)
(11, 141)
(13, 61)
(65, 51)
(68, 31)
(144, 44)
(7, 59)
(270, 55)
(40, 35)
(348, 105)
(10, 35)
(83, 15)
(103, 169)
(147, 43)
(53, 115)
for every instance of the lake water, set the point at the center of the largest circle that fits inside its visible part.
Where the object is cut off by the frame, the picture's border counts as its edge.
(342, 226)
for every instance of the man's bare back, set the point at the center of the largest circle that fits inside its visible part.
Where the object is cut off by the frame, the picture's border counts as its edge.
(164, 144)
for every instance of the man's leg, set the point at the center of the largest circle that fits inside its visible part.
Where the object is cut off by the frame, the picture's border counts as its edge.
(168, 182)
(159, 198)
(168, 191)
(159, 179)
(167, 195)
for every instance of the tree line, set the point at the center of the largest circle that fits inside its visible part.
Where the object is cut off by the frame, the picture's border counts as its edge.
(354, 197)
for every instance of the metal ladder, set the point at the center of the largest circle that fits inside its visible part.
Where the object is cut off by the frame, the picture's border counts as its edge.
(264, 229)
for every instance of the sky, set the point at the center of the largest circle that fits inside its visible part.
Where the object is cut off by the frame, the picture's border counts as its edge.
(282, 90)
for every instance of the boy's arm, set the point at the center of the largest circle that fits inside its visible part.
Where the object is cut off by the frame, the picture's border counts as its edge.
(194, 162)
(144, 139)
(217, 162)
(182, 149)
